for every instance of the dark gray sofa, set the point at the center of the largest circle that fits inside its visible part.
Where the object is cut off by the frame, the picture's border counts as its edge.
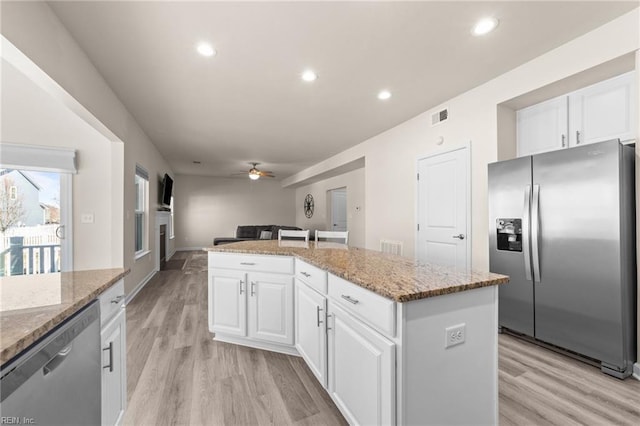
(252, 232)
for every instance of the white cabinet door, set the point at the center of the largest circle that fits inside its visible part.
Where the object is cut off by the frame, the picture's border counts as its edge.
(311, 334)
(227, 302)
(603, 111)
(542, 127)
(271, 307)
(361, 370)
(114, 375)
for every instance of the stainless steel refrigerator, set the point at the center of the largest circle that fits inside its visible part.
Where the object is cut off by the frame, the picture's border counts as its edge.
(562, 226)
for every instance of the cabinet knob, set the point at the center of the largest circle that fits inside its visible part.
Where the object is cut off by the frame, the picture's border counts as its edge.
(459, 236)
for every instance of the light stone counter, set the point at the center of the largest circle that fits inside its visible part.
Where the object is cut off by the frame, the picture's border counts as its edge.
(394, 277)
(32, 305)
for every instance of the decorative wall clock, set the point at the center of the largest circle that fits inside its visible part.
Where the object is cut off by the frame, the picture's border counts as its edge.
(308, 205)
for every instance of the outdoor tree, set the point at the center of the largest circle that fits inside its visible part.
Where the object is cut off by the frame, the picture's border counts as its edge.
(11, 209)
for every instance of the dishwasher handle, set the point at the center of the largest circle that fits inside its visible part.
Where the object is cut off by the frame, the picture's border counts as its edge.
(57, 360)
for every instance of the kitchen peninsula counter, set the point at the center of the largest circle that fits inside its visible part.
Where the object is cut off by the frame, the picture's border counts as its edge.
(32, 305)
(394, 277)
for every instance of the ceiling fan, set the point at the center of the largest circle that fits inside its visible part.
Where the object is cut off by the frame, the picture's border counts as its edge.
(255, 174)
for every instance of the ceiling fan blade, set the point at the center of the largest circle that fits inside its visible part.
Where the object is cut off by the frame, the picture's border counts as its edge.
(265, 175)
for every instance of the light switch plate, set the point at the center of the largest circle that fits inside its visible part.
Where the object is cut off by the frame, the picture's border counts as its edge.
(86, 218)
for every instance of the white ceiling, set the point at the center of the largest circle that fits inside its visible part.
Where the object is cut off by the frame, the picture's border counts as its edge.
(248, 102)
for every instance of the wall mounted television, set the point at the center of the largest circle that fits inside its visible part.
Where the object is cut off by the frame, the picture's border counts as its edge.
(167, 188)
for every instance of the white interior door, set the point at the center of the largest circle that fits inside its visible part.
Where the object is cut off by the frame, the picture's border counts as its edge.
(339, 209)
(443, 208)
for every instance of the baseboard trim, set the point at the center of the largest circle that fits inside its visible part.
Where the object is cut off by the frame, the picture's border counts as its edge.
(170, 255)
(139, 287)
(198, 248)
(636, 370)
(273, 347)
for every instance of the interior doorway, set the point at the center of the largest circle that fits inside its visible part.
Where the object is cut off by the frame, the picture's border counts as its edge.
(338, 209)
(444, 200)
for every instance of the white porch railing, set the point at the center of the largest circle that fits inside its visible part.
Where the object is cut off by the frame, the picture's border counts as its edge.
(30, 250)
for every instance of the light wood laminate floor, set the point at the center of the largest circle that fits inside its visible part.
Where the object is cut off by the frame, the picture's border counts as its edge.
(176, 373)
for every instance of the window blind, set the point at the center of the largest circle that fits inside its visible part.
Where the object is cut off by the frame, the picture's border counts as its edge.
(140, 171)
(39, 158)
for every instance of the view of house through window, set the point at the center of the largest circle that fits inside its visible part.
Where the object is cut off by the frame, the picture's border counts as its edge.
(30, 225)
(141, 202)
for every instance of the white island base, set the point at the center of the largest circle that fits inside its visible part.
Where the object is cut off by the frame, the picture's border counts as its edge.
(382, 362)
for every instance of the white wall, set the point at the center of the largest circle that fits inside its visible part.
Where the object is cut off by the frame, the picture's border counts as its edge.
(34, 29)
(31, 116)
(354, 182)
(208, 207)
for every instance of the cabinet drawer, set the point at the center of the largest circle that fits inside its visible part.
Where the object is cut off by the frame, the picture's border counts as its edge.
(376, 310)
(111, 301)
(311, 275)
(249, 262)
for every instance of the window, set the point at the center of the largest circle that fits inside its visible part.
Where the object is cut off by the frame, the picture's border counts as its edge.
(172, 233)
(35, 180)
(141, 203)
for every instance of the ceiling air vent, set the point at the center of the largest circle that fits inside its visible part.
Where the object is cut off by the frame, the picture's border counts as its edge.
(439, 117)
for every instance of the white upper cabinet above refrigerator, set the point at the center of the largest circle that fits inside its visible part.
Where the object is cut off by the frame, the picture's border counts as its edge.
(543, 127)
(603, 112)
(597, 113)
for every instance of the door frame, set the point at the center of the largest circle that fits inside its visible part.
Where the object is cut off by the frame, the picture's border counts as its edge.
(464, 146)
(330, 192)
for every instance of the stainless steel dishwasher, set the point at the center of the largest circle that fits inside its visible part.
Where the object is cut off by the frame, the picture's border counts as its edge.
(57, 381)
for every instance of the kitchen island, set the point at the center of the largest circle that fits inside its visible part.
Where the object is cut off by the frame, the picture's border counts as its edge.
(392, 341)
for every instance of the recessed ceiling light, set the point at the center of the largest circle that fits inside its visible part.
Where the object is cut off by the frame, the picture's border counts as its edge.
(309, 75)
(484, 26)
(205, 49)
(384, 95)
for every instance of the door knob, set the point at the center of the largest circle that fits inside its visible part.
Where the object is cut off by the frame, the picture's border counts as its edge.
(459, 236)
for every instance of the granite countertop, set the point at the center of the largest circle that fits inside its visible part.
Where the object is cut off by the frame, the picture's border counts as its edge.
(391, 276)
(32, 305)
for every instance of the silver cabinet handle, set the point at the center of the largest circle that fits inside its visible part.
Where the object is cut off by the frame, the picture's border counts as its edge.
(577, 137)
(305, 274)
(110, 349)
(329, 316)
(535, 232)
(459, 236)
(247, 263)
(350, 299)
(241, 282)
(525, 232)
(564, 140)
(318, 309)
(253, 285)
(117, 299)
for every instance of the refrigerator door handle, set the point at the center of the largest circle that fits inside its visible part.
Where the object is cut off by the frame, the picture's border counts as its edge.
(535, 232)
(525, 232)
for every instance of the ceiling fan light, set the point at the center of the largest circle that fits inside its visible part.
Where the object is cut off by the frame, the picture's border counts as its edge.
(254, 176)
